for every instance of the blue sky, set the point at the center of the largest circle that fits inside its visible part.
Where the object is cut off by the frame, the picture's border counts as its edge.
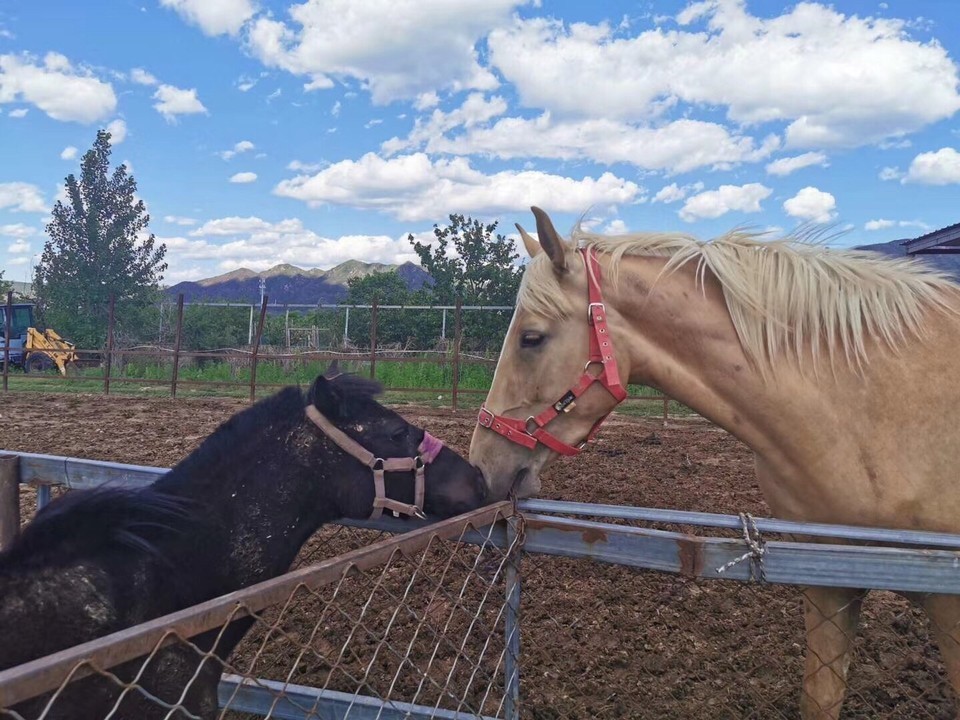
(314, 132)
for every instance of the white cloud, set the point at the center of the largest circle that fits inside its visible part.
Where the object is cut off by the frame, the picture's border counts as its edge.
(18, 231)
(787, 165)
(118, 131)
(19, 247)
(414, 187)
(811, 204)
(616, 227)
(173, 101)
(834, 79)
(68, 153)
(243, 177)
(890, 173)
(214, 17)
(18, 112)
(179, 220)
(298, 166)
(726, 198)
(426, 100)
(397, 48)
(935, 168)
(21, 197)
(240, 147)
(19, 260)
(882, 224)
(252, 242)
(675, 147)
(142, 77)
(56, 87)
(672, 193)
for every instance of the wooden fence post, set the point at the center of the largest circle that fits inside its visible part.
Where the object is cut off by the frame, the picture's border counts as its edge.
(373, 340)
(256, 349)
(7, 330)
(9, 499)
(457, 336)
(109, 358)
(176, 346)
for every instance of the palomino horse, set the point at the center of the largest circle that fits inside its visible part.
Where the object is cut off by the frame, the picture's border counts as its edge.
(836, 367)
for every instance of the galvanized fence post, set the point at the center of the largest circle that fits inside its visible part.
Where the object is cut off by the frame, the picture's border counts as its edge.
(373, 339)
(9, 499)
(176, 346)
(7, 330)
(109, 358)
(256, 349)
(511, 662)
(457, 337)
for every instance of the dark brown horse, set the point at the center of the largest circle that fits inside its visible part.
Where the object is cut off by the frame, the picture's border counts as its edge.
(233, 513)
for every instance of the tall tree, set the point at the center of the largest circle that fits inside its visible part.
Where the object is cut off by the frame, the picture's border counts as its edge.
(5, 287)
(481, 269)
(97, 246)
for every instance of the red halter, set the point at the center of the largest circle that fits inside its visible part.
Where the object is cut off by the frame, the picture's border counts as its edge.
(533, 430)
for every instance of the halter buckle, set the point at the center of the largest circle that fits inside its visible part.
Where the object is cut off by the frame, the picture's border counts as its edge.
(591, 306)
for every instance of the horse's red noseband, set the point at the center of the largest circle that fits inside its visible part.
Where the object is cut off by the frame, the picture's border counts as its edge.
(533, 430)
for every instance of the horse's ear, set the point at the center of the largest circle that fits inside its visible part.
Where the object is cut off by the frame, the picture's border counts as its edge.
(325, 397)
(531, 245)
(550, 240)
(333, 370)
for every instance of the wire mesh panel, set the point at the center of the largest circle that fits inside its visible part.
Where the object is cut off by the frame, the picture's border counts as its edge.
(409, 626)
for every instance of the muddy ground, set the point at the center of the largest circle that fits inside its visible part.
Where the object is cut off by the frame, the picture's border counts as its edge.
(598, 640)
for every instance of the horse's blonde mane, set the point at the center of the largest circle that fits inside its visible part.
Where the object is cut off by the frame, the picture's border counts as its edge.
(787, 296)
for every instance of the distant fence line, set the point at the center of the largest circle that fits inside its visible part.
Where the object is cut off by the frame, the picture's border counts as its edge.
(453, 357)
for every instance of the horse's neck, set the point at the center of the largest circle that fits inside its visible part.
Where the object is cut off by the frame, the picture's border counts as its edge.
(679, 337)
(259, 507)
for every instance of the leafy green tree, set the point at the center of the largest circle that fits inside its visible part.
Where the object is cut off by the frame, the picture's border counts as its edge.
(5, 287)
(387, 288)
(98, 245)
(408, 328)
(481, 270)
(473, 262)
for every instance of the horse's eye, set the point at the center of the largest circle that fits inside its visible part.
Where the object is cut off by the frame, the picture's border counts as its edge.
(399, 435)
(530, 339)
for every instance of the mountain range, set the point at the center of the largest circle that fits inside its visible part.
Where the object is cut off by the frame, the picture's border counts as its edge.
(291, 284)
(294, 285)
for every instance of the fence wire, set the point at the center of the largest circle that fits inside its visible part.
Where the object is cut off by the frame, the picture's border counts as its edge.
(606, 641)
(422, 631)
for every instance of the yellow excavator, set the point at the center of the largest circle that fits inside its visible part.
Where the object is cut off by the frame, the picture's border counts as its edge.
(36, 350)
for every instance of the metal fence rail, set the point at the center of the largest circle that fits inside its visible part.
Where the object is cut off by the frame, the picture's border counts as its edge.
(752, 554)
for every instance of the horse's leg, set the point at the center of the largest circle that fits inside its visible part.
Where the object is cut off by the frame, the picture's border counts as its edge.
(831, 616)
(944, 614)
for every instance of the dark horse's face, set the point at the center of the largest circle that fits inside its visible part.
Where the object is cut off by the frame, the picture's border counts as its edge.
(453, 485)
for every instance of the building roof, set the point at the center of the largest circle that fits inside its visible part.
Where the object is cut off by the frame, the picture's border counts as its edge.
(944, 240)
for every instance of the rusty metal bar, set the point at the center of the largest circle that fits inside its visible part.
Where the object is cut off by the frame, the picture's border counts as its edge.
(373, 340)
(256, 349)
(457, 337)
(109, 354)
(7, 332)
(9, 499)
(44, 674)
(176, 346)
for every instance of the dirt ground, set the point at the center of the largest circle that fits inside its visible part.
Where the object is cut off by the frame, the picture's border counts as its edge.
(598, 640)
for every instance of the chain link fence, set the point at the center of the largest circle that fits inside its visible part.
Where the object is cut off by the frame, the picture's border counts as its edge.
(565, 610)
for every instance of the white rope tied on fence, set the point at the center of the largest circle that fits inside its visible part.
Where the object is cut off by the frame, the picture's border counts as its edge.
(756, 549)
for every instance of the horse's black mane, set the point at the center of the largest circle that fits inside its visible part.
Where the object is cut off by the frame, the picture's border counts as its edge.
(135, 518)
(131, 518)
